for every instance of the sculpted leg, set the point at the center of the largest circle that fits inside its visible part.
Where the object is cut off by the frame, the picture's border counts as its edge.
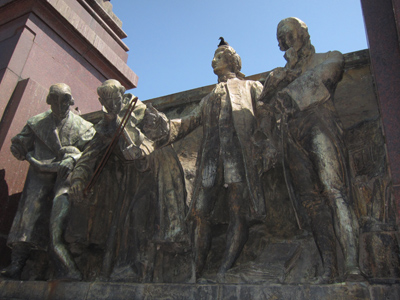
(346, 228)
(201, 227)
(332, 171)
(237, 234)
(303, 164)
(20, 254)
(66, 268)
(202, 243)
(324, 236)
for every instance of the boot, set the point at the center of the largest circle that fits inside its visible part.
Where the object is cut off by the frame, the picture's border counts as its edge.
(19, 256)
(324, 236)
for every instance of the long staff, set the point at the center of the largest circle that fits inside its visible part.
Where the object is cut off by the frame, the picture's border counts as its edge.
(111, 146)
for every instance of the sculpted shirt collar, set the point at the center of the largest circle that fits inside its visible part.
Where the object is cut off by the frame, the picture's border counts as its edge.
(225, 77)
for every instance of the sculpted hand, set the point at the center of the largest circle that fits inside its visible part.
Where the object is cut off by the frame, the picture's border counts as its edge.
(151, 117)
(284, 103)
(276, 80)
(76, 191)
(155, 124)
(66, 166)
(275, 77)
(279, 74)
(291, 57)
(132, 152)
(17, 151)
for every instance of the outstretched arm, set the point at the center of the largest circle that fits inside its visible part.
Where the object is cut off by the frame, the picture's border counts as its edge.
(155, 124)
(158, 128)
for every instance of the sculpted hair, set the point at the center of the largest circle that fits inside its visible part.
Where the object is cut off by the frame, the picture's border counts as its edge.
(234, 60)
(60, 89)
(110, 88)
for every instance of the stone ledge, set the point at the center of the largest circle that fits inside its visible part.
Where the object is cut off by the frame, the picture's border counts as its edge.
(70, 26)
(32, 290)
(93, 39)
(110, 23)
(352, 60)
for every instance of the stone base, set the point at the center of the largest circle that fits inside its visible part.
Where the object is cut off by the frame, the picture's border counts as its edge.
(32, 290)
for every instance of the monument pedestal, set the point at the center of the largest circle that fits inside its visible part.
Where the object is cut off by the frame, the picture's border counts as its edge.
(32, 290)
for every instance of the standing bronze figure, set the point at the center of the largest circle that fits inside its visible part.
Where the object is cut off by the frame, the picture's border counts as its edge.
(138, 201)
(314, 154)
(52, 143)
(224, 162)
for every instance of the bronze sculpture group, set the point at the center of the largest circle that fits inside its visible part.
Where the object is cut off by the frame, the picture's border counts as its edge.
(119, 187)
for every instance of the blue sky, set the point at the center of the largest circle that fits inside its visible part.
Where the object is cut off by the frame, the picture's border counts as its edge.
(172, 42)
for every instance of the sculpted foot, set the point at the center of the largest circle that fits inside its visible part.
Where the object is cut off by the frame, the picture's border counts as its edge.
(221, 277)
(19, 256)
(204, 280)
(326, 278)
(71, 275)
(354, 275)
(125, 274)
(13, 271)
(322, 280)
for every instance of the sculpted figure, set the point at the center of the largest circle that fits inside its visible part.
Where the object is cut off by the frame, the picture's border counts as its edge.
(315, 156)
(52, 143)
(224, 161)
(139, 198)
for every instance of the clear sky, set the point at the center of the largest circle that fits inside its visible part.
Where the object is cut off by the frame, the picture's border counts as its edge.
(172, 42)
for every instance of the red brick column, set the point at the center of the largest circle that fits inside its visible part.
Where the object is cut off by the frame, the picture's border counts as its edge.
(382, 26)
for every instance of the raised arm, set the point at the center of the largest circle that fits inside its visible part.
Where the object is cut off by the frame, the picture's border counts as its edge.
(164, 132)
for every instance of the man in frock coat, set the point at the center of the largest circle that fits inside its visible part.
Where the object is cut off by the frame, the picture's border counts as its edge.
(224, 161)
(54, 139)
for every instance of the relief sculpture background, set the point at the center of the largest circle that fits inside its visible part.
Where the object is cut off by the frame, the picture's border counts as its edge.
(279, 177)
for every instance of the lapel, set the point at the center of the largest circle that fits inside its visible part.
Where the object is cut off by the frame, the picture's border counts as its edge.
(67, 135)
(44, 127)
(239, 95)
(211, 111)
(242, 108)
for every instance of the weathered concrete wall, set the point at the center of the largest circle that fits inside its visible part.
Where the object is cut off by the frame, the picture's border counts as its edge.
(118, 291)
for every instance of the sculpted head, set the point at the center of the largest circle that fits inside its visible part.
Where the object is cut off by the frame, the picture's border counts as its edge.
(110, 95)
(294, 39)
(292, 33)
(60, 99)
(226, 61)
